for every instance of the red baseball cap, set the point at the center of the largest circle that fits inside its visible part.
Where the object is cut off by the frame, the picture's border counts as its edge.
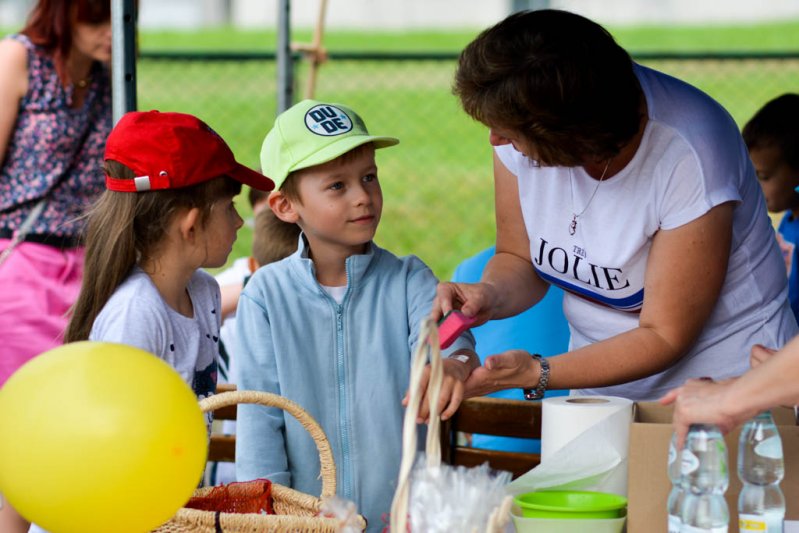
(170, 151)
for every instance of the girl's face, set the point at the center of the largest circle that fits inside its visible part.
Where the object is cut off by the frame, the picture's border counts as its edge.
(219, 232)
(92, 40)
(776, 178)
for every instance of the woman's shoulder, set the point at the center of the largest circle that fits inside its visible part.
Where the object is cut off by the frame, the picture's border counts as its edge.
(18, 40)
(13, 58)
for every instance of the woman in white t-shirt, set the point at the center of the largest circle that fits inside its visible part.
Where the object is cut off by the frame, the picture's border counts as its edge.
(631, 190)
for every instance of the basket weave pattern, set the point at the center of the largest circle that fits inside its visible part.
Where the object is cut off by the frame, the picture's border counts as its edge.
(294, 511)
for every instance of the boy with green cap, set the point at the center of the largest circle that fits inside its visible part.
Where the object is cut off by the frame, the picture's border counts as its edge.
(333, 326)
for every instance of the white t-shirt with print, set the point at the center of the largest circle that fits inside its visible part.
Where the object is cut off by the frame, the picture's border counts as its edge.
(137, 315)
(691, 158)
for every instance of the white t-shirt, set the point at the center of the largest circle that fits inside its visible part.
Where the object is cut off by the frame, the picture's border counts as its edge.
(137, 315)
(691, 158)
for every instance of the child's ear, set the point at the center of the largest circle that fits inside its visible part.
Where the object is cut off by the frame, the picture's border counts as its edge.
(252, 264)
(189, 223)
(283, 207)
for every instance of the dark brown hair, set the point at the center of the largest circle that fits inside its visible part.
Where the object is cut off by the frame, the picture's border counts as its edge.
(557, 78)
(124, 229)
(50, 25)
(776, 124)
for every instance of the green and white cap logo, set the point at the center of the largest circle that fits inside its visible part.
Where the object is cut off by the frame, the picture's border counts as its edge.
(327, 120)
(312, 133)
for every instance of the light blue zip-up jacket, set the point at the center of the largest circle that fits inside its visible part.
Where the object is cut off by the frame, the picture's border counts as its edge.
(348, 365)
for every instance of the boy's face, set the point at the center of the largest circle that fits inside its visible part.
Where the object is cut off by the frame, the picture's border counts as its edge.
(340, 203)
(776, 178)
(219, 232)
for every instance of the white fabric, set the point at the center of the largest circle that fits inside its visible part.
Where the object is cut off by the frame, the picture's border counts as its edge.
(235, 273)
(337, 293)
(137, 315)
(691, 159)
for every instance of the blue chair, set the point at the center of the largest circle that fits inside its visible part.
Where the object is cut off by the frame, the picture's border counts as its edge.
(541, 329)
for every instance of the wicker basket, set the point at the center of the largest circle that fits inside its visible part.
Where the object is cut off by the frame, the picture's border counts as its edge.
(294, 510)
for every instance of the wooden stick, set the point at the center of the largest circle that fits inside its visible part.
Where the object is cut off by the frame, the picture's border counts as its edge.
(318, 54)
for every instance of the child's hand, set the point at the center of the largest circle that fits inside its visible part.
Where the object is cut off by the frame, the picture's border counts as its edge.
(456, 369)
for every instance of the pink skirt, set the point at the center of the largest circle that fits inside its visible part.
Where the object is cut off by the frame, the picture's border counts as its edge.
(38, 285)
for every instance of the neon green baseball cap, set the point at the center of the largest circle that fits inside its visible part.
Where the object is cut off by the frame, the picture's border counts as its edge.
(311, 133)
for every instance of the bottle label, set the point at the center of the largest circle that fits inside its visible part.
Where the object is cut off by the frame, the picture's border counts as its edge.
(675, 524)
(690, 462)
(760, 523)
(694, 529)
(771, 448)
(749, 522)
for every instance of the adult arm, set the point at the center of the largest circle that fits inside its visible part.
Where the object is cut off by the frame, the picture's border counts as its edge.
(729, 403)
(509, 284)
(685, 272)
(13, 86)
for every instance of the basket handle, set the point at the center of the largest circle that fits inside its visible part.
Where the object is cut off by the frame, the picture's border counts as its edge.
(267, 399)
(427, 348)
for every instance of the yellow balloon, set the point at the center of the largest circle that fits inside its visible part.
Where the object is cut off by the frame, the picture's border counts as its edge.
(99, 437)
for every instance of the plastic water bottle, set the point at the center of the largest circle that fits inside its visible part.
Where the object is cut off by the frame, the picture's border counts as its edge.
(761, 504)
(705, 478)
(674, 505)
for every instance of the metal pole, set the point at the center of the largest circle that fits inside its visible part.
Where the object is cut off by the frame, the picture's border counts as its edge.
(285, 68)
(123, 62)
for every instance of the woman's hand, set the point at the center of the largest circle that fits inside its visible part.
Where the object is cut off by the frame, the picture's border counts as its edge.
(700, 401)
(472, 299)
(507, 370)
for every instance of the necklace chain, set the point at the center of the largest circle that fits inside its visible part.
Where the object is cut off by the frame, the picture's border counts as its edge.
(575, 216)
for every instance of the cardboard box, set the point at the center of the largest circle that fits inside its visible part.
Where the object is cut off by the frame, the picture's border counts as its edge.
(648, 483)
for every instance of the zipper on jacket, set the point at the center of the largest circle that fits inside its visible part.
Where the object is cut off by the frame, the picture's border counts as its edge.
(344, 431)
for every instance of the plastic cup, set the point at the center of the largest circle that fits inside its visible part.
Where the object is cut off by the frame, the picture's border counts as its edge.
(571, 504)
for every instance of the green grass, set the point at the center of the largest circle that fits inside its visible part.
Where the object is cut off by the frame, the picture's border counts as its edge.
(761, 36)
(437, 182)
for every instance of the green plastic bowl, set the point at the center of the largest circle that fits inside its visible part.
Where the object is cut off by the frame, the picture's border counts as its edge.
(578, 504)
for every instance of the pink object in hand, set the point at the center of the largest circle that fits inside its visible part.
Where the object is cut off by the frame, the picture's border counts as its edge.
(451, 326)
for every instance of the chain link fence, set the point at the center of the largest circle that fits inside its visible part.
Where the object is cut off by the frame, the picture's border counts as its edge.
(437, 183)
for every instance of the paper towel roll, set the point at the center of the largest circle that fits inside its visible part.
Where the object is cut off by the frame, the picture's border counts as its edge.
(584, 445)
(566, 417)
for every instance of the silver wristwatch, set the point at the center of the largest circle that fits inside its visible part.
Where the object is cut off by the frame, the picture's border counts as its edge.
(543, 380)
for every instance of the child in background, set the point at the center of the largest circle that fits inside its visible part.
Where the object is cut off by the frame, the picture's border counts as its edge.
(772, 137)
(333, 326)
(272, 240)
(231, 279)
(167, 213)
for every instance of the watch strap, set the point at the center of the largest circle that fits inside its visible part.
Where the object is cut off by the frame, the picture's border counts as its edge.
(543, 380)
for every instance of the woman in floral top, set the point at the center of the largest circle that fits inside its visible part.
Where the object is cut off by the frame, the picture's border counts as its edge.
(55, 113)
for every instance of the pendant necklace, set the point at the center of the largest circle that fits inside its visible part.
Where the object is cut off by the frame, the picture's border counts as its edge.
(575, 216)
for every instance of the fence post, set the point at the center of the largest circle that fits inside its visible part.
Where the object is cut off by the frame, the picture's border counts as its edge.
(285, 68)
(123, 84)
